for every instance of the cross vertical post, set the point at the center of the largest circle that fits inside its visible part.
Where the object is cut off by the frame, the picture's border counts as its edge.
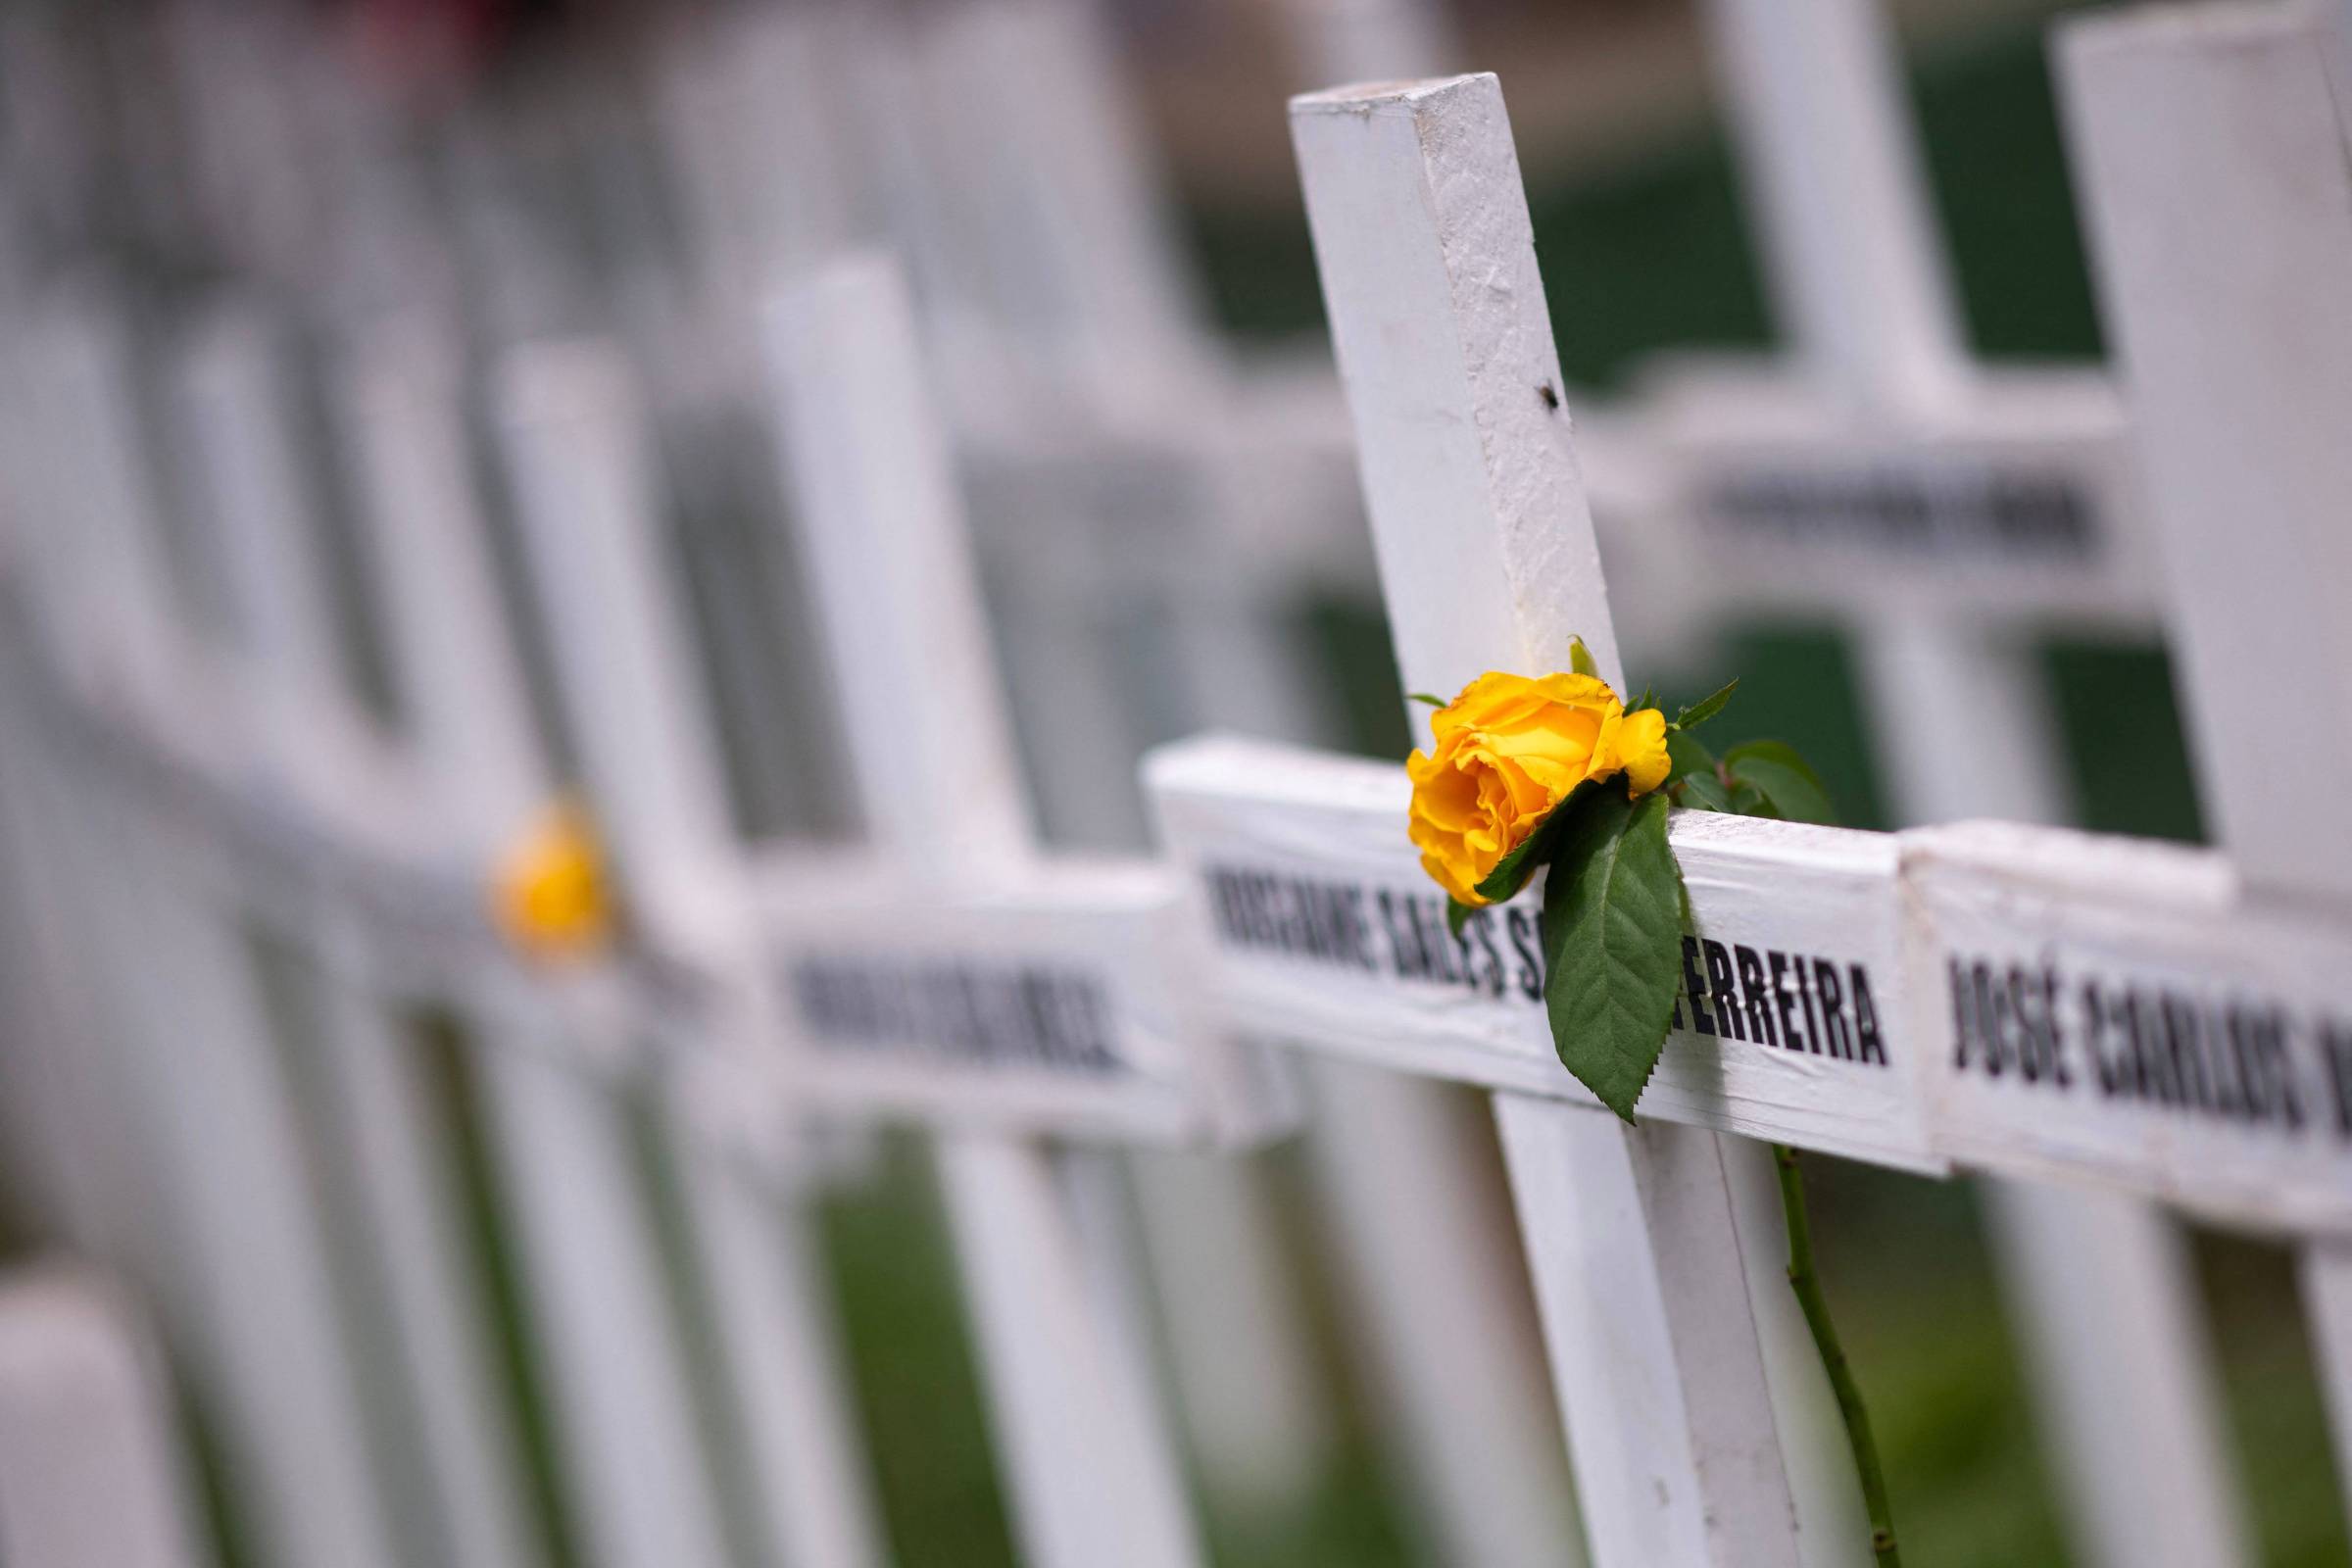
(89, 1473)
(1488, 561)
(2210, 150)
(1092, 1474)
(586, 485)
(269, 1347)
(233, 391)
(2124, 1379)
(549, 1072)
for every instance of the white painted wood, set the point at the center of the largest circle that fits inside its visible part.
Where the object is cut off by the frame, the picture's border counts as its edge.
(147, 1243)
(2325, 1276)
(1122, 622)
(1849, 248)
(2211, 148)
(627, 1436)
(635, 1458)
(2099, 1288)
(1437, 1288)
(782, 1342)
(2012, 497)
(1094, 667)
(1333, 936)
(1663, 1400)
(588, 496)
(2069, 1255)
(1440, 1296)
(753, 81)
(102, 589)
(1122, 618)
(1488, 560)
(274, 1354)
(74, 1110)
(1059, 232)
(1041, 999)
(901, 649)
(1294, 849)
(2241, 470)
(89, 1469)
(2058, 894)
(2194, 1045)
(2026, 496)
(467, 708)
(229, 396)
(77, 1108)
(1093, 1476)
(237, 403)
(1960, 724)
(253, 1275)
(1242, 1358)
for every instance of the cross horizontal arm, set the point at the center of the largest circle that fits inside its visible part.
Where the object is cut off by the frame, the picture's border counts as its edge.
(2033, 1002)
(2019, 500)
(1057, 998)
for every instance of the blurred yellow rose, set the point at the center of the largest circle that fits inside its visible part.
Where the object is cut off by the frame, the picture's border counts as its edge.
(1508, 750)
(550, 895)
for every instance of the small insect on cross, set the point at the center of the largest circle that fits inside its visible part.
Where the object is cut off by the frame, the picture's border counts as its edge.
(1954, 1045)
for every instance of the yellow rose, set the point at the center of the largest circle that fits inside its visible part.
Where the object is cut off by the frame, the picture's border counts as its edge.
(1508, 750)
(549, 894)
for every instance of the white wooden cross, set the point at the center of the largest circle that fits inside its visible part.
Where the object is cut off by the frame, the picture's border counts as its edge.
(1942, 511)
(1882, 460)
(1819, 958)
(232, 390)
(947, 979)
(2210, 146)
(1442, 335)
(1049, 236)
(1939, 510)
(1112, 537)
(246, 1270)
(1890, 476)
(557, 1067)
(89, 1471)
(293, 735)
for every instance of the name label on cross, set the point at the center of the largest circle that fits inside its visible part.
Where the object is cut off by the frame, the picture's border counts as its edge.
(2110, 1008)
(1790, 1024)
(1044, 1001)
(2028, 1001)
(2016, 504)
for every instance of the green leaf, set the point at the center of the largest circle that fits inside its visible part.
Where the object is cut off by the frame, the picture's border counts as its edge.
(1704, 709)
(1686, 756)
(1782, 778)
(1424, 697)
(1704, 792)
(1781, 751)
(1580, 657)
(1457, 915)
(1512, 872)
(1649, 698)
(1612, 930)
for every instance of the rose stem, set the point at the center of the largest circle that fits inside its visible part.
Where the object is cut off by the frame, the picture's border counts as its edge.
(1807, 1285)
